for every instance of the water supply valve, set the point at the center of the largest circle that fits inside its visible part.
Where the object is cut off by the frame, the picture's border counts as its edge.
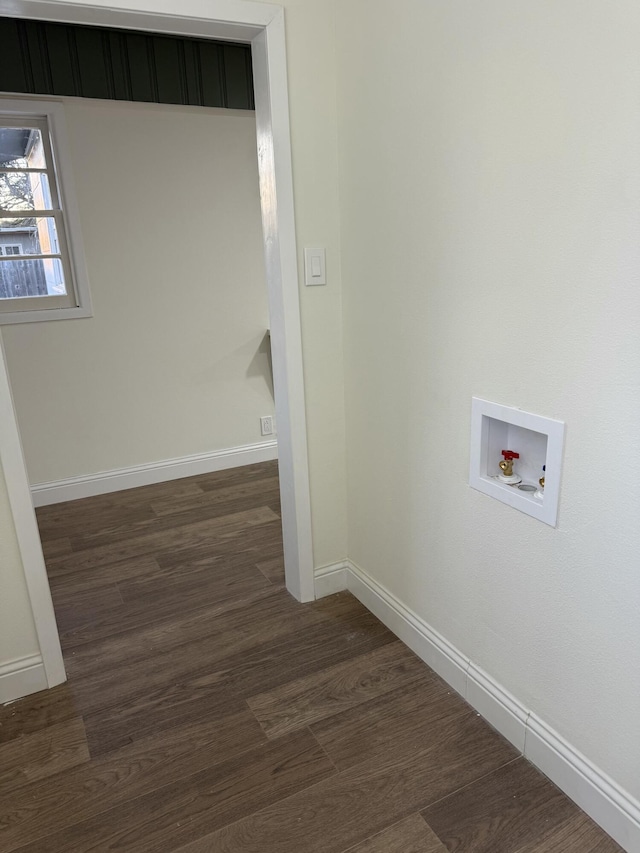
(506, 466)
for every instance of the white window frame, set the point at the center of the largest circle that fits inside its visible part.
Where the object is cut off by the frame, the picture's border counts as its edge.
(5, 246)
(77, 302)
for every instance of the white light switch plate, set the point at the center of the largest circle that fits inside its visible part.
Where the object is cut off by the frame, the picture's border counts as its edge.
(315, 267)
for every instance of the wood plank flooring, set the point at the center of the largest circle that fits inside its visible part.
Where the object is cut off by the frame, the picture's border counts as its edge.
(208, 712)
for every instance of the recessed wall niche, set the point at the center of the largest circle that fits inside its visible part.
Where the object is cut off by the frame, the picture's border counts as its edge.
(538, 441)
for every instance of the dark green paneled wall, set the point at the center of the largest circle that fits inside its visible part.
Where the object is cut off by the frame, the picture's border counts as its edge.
(89, 62)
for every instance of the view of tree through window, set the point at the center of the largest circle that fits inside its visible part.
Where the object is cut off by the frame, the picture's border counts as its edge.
(30, 260)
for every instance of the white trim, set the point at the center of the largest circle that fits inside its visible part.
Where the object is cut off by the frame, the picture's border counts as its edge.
(103, 482)
(330, 579)
(426, 642)
(497, 705)
(613, 808)
(234, 20)
(22, 677)
(281, 262)
(26, 527)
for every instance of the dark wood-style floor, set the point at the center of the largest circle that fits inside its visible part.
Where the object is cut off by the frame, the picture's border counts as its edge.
(207, 711)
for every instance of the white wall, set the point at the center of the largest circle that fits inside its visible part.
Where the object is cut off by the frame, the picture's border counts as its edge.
(174, 361)
(490, 202)
(310, 30)
(17, 631)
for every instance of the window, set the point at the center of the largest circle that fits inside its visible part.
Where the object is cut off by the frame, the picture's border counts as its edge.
(42, 275)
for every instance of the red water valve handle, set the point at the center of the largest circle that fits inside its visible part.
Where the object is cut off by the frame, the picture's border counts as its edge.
(510, 454)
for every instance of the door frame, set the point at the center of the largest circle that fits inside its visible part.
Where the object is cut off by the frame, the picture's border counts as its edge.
(261, 25)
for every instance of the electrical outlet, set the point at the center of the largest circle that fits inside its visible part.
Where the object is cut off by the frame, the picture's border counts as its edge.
(266, 425)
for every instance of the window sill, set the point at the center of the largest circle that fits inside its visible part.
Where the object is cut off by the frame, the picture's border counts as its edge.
(44, 315)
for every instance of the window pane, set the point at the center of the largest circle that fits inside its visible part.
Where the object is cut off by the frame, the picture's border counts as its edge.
(22, 278)
(24, 191)
(21, 148)
(33, 235)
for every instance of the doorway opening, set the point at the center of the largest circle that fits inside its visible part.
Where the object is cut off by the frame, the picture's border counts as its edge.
(262, 26)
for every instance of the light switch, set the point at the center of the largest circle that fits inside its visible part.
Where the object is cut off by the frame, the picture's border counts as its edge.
(315, 271)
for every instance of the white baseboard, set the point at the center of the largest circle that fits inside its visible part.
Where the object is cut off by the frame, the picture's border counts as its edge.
(613, 808)
(330, 579)
(497, 706)
(428, 644)
(22, 677)
(104, 482)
